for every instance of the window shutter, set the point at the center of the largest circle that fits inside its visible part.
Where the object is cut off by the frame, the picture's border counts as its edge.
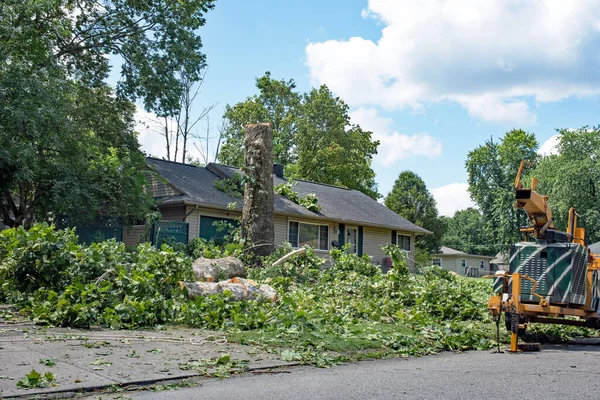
(360, 241)
(341, 237)
(394, 237)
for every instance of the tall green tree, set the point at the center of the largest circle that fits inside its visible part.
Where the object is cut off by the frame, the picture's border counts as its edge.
(572, 179)
(66, 139)
(410, 199)
(278, 103)
(491, 172)
(466, 232)
(312, 134)
(331, 150)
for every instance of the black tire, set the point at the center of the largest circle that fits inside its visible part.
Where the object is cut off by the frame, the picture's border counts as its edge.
(522, 331)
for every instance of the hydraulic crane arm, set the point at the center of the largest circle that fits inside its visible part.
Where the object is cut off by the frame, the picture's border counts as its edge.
(535, 205)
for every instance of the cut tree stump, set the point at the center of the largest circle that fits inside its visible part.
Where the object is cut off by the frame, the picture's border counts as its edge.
(257, 225)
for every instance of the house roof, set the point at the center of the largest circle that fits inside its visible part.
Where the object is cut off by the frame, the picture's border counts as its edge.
(595, 248)
(447, 251)
(196, 185)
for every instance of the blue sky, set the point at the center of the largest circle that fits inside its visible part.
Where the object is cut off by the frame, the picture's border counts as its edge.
(431, 79)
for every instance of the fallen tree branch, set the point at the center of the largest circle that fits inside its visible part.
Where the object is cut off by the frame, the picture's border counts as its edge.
(289, 255)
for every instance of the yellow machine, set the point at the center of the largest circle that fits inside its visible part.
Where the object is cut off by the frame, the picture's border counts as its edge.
(550, 278)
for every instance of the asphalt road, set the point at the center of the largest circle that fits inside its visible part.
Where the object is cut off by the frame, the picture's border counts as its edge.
(557, 372)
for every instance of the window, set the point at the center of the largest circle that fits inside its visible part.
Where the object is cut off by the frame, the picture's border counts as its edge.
(463, 262)
(404, 242)
(216, 229)
(481, 264)
(436, 261)
(313, 235)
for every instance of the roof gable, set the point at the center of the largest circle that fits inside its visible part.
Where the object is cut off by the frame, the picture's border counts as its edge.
(448, 251)
(337, 203)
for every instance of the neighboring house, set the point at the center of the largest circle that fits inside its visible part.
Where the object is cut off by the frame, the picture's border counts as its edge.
(595, 248)
(462, 263)
(188, 194)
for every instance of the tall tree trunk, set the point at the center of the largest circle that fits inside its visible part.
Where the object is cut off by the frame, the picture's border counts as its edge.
(257, 216)
(167, 138)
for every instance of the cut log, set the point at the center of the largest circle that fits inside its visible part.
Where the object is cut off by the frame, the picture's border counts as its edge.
(210, 270)
(240, 289)
(197, 289)
(267, 293)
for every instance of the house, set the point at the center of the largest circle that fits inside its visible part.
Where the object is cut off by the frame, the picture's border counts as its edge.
(595, 248)
(187, 193)
(462, 263)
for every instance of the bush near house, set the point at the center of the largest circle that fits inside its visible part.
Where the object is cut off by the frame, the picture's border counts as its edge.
(347, 311)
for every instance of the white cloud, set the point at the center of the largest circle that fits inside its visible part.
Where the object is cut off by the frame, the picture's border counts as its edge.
(451, 198)
(149, 128)
(394, 146)
(492, 108)
(495, 58)
(549, 146)
(151, 137)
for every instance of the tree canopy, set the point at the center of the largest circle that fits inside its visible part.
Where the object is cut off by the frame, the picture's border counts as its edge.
(67, 144)
(312, 135)
(410, 199)
(466, 232)
(491, 172)
(571, 178)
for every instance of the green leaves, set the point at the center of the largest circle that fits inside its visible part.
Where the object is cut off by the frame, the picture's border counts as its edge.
(492, 168)
(466, 232)
(67, 144)
(48, 362)
(290, 355)
(572, 179)
(349, 307)
(36, 380)
(286, 189)
(217, 367)
(410, 199)
(312, 135)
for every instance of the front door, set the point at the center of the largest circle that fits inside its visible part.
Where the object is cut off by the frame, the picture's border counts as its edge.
(352, 238)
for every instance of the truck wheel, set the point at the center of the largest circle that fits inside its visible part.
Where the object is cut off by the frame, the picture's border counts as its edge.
(507, 325)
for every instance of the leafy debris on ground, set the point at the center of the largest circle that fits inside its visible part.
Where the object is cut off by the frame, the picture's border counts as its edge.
(36, 380)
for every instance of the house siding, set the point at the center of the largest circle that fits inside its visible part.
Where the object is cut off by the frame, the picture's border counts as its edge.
(172, 212)
(373, 241)
(281, 230)
(454, 263)
(158, 188)
(134, 235)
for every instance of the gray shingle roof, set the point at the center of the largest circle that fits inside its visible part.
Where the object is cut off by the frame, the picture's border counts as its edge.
(595, 248)
(447, 251)
(339, 204)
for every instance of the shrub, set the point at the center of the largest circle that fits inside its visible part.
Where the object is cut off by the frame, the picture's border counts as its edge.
(35, 258)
